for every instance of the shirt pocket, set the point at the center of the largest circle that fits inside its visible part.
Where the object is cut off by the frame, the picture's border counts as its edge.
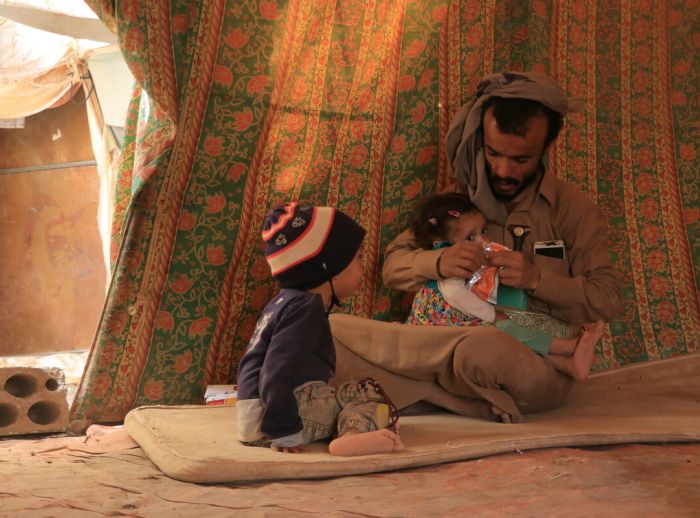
(554, 264)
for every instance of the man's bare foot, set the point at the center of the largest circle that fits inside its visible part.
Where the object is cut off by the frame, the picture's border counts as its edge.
(582, 358)
(467, 407)
(378, 441)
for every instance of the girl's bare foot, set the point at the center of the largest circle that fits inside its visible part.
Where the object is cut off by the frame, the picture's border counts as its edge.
(582, 358)
(378, 441)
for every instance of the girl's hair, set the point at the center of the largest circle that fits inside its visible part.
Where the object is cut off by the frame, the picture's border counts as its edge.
(435, 215)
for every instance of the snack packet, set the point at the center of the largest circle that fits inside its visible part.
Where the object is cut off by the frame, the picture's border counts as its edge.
(484, 282)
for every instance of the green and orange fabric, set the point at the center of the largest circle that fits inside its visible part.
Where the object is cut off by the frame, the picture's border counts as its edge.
(243, 105)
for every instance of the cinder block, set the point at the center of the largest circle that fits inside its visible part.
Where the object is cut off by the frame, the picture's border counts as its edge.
(32, 400)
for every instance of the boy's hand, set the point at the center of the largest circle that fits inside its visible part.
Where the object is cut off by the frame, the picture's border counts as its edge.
(515, 269)
(461, 260)
(291, 449)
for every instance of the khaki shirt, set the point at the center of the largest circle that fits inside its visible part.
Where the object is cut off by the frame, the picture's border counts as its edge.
(582, 287)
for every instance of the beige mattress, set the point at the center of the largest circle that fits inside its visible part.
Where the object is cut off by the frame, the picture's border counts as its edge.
(647, 403)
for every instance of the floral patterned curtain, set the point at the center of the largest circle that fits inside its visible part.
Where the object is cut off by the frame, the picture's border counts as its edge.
(245, 104)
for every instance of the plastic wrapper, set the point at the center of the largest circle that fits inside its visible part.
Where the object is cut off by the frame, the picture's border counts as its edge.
(484, 282)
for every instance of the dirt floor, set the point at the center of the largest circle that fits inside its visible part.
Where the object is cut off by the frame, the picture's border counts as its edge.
(104, 473)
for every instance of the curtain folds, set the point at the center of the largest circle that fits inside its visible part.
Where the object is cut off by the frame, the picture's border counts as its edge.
(242, 105)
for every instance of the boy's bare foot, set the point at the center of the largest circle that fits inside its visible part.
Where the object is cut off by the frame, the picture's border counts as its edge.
(378, 441)
(582, 358)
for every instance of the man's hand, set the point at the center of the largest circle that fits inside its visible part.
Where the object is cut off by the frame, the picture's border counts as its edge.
(515, 269)
(461, 260)
(291, 449)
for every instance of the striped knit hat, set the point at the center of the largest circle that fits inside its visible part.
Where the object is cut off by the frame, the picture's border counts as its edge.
(306, 247)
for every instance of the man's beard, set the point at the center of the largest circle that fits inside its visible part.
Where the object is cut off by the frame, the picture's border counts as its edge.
(520, 185)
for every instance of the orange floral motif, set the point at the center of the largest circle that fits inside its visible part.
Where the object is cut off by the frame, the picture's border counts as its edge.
(199, 327)
(298, 92)
(425, 155)
(352, 184)
(678, 97)
(242, 120)
(129, 9)
(216, 255)
(656, 260)
(641, 29)
(471, 10)
(342, 54)
(540, 8)
(153, 390)
(215, 203)
(260, 269)
(286, 180)
(406, 83)
(101, 385)
(426, 79)
(236, 172)
(687, 151)
(658, 286)
(475, 36)
(134, 40)
(257, 84)
(181, 283)
(389, 215)
(644, 183)
(439, 13)
(183, 362)
(415, 48)
(236, 39)
(287, 150)
(179, 23)
(682, 67)
(668, 338)
(418, 112)
(357, 129)
(259, 298)
(269, 10)
(164, 320)
(690, 215)
(358, 156)
(222, 75)
(117, 322)
(398, 143)
(650, 234)
(212, 145)
(413, 189)
(649, 208)
(187, 220)
(294, 122)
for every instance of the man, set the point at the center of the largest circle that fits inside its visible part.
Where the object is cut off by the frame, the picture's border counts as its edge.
(496, 144)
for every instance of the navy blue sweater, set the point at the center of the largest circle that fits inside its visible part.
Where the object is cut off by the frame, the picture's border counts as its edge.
(291, 345)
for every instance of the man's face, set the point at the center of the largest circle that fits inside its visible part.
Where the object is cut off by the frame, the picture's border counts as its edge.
(511, 160)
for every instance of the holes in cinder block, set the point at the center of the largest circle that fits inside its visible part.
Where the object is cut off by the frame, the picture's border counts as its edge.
(21, 385)
(52, 384)
(8, 414)
(43, 412)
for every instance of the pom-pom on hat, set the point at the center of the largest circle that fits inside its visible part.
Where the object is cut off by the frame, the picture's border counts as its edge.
(306, 247)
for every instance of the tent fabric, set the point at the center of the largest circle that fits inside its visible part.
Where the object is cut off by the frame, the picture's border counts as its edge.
(241, 106)
(38, 69)
(653, 402)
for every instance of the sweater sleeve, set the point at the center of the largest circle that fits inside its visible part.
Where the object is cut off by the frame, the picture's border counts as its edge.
(297, 334)
(407, 267)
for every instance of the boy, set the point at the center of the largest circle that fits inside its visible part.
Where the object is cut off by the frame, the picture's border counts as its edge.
(284, 400)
